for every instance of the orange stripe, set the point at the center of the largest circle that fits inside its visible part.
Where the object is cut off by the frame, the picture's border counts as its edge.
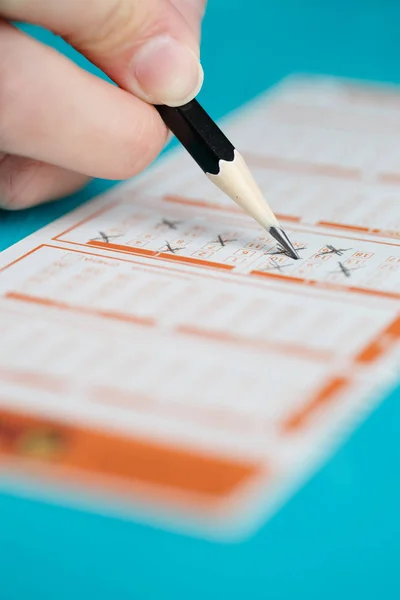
(83, 451)
(21, 257)
(223, 336)
(381, 344)
(326, 285)
(281, 277)
(214, 335)
(372, 352)
(43, 381)
(390, 178)
(195, 261)
(64, 306)
(164, 255)
(122, 248)
(328, 393)
(377, 293)
(201, 203)
(394, 328)
(284, 164)
(212, 206)
(346, 227)
(109, 314)
(290, 218)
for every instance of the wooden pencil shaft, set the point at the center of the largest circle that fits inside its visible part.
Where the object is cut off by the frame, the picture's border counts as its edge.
(199, 134)
(222, 163)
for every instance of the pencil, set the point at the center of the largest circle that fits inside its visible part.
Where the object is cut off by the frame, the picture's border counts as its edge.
(222, 164)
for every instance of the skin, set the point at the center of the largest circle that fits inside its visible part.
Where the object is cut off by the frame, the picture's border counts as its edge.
(60, 125)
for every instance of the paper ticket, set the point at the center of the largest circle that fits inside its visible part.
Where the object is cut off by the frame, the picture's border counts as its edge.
(163, 360)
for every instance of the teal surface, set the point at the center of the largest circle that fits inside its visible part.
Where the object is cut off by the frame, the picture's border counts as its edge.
(338, 537)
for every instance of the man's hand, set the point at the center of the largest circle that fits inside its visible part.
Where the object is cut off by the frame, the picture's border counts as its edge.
(60, 125)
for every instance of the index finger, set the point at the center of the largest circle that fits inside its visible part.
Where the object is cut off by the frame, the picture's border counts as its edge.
(55, 112)
(147, 48)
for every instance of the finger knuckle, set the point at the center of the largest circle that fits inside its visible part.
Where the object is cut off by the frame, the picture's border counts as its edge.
(16, 174)
(114, 29)
(120, 27)
(148, 142)
(11, 90)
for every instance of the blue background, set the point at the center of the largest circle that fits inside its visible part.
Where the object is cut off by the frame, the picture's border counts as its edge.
(339, 536)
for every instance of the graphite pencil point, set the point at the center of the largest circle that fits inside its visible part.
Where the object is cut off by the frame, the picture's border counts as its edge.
(284, 241)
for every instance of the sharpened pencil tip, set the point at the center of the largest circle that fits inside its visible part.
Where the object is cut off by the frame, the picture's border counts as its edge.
(284, 241)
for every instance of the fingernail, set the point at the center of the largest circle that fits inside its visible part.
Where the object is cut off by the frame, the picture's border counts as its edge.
(166, 72)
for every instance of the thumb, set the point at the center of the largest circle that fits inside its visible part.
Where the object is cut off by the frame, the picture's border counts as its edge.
(146, 47)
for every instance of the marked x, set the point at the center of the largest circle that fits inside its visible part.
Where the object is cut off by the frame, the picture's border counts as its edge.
(221, 241)
(104, 237)
(332, 250)
(345, 270)
(276, 266)
(170, 224)
(281, 251)
(172, 250)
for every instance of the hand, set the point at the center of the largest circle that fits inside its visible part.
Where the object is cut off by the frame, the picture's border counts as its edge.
(59, 124)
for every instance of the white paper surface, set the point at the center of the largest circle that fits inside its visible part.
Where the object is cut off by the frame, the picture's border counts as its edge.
(160, 361)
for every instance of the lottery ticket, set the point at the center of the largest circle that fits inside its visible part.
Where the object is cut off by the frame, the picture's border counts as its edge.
(163, 360)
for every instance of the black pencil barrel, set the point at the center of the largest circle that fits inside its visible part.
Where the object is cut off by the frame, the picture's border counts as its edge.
(199, 134)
